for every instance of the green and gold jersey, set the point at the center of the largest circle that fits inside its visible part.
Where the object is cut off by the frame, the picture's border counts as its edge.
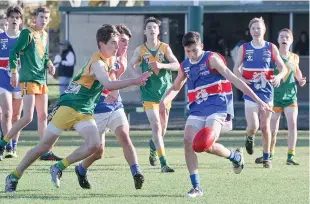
(31, 47)
(157, 85)
(84, 91)
(286, 93)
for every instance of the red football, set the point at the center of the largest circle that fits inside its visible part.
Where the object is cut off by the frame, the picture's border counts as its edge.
(204, 139)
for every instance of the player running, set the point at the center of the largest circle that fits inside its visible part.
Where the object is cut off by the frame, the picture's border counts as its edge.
(209, 93)
(285, 97)
(75, 108)
(157, 57)
(10, 97)
(109, 113)
(32, 49)
(255, 66)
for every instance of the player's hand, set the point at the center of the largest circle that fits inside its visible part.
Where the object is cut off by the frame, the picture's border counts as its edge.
(245, 80)
(275, 81)
(302, 81)
(141, 80)
(265, 107)
(51, 69)
(155, 67)
(14, 80)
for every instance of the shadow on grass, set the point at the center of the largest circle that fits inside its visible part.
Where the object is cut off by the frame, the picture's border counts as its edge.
(76, 197)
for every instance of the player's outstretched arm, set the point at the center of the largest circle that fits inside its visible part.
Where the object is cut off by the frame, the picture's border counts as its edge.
(132, 65)
(217, 63)
(276, 81)
(298, 75)
(98, 68)
(175, 88)
(238, 65)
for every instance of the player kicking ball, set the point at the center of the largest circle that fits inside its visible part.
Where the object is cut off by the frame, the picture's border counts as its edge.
(209, 93)
(75, 109)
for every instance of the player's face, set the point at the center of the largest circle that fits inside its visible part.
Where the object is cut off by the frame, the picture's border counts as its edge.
(111, 47)
(42, 20)
(14, 20)
(123, 44)
(193, 51)
(4, 24)
(285, 39)
(151, 30)
(257, 30)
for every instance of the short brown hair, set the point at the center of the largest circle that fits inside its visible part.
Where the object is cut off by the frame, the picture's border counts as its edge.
(122, 29)
(152, 19)
(105, 33)
(191, 38)
(288, 31)
(42, 9)
(14, 9)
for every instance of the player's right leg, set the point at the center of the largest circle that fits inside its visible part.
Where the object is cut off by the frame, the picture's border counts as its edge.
(274, 126)
(120, 126)
(66, 118)
(154, 119)
(192, 126)
(41, 108)
(28, 108)
(32, 155)
(251, 116)
(6, 122)
(17, 104)
(291, 113)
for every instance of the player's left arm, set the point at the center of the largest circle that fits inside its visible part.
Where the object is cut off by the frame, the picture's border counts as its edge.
(298, 75)
(173, 64)
(218, 64)
(47, 62)
(113, 95)
(276, 81)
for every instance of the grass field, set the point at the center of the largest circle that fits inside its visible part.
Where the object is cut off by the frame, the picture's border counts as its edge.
(112, 181)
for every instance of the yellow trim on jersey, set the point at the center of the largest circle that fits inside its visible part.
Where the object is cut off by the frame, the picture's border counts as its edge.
(148, 57)
(87, 80)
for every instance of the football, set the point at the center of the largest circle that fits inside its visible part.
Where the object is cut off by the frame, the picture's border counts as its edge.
(204, 139)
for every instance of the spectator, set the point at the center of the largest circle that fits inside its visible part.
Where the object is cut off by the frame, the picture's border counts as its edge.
(302, 45)
(65, 63)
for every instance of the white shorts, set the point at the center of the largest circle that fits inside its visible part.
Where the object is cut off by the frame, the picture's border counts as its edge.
(15, 95)
(200, 122)
(110, 120)
(251, 104)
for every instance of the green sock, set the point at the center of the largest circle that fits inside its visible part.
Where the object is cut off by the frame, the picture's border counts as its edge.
(63, 164)
(163, 161)
(290, 154)
(5, 140)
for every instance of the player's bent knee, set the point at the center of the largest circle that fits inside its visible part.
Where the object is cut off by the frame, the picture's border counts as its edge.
(42, 116)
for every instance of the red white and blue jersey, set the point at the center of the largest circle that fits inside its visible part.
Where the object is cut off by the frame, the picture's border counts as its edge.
(102, 106)
(208, 91)
(6, 43)
(258, 66)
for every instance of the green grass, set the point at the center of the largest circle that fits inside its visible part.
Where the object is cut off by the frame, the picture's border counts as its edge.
(112, 181)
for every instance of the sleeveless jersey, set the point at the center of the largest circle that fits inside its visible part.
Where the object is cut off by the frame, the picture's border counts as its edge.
(208, 91)
(103, 107)
(6, 43)
(286, 93)
(258, 65)
(158, 83)
(84, 91)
